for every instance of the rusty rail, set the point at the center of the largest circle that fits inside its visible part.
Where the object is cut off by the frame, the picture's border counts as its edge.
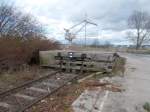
(25, 84)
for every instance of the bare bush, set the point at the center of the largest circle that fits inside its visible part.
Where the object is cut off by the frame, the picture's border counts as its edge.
(21, 35)
(14, 52)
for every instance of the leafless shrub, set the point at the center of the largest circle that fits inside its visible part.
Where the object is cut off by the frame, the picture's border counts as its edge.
(20, 36)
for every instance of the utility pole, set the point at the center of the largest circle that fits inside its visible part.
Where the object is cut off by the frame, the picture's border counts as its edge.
(85, 33)
(85, 29)
(70, 35)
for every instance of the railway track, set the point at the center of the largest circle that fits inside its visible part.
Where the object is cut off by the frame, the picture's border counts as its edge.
(20, 98)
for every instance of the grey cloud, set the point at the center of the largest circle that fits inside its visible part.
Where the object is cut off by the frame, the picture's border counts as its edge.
(110, 14)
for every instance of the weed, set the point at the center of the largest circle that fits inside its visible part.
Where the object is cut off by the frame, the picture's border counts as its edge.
(146, 106)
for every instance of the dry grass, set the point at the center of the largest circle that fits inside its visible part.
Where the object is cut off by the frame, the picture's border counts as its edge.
(22, 52)
(9, 80)
(140, 51)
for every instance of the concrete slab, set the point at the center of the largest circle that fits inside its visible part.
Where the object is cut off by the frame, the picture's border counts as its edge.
(24, 96)
(136, 82)
(50, 84)
(38, 89)
(90, 101)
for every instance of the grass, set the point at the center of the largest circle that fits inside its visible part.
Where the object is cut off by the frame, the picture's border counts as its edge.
(146, 106)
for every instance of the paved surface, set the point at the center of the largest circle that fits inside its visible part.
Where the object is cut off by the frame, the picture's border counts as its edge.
(137, 89)
(136, 83)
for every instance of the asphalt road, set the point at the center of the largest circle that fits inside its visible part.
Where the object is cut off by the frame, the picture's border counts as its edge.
(136, 83)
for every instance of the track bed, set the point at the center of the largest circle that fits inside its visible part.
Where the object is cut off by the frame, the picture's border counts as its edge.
(24, 96)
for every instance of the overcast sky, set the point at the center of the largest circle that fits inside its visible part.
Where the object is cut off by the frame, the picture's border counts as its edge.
(110, 15)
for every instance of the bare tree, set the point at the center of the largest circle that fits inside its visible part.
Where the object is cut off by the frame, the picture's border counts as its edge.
(14, 23)
(139, 22)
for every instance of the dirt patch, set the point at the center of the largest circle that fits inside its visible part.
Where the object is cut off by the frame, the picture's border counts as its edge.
(92, 84)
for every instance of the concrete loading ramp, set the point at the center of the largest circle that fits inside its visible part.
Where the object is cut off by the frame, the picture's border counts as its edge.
(81, 61)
